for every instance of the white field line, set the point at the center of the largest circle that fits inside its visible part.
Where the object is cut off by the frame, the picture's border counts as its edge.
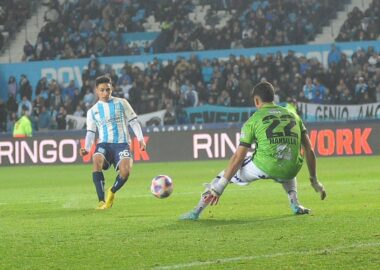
(266, 256)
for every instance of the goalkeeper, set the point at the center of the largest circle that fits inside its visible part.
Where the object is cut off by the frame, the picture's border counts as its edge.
(278, 135)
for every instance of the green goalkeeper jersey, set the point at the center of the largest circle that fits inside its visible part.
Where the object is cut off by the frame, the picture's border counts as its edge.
(277, 134)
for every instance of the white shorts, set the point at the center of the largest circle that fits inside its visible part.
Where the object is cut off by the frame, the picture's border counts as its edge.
(249, 172)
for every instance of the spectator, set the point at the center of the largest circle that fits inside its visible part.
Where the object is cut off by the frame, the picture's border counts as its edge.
(28, 51)
(169, 116)
(61, 118)
(309, 89)
(24, 104)
(68, 92)
(89, 98)
(3, 116)
(12, 105)
(25, 87)
(12, 118)
(125, 88)
(191, 97)
(346, 97)
(12, 86)
(378, 93)
(361, 88)
(23, 126)
(42, 88)
(224, 99)
(79, 111)
(44, 119)
(319, 87)
(55, 99)
(334, 55)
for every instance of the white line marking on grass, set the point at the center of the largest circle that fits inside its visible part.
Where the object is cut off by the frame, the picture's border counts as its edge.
(265, 256)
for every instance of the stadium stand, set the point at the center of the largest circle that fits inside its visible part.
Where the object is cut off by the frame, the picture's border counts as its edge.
(361, 25)
(254, 24)
(192, 82)
(90, 29)
(13, 15)
(83, 28)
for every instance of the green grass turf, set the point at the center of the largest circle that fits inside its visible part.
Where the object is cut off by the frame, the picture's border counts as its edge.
(48, 221)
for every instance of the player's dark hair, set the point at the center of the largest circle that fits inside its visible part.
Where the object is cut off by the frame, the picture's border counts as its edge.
(102, 79)
(264, 90)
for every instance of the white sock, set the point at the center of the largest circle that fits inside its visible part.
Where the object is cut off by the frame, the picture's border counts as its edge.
(291, 189)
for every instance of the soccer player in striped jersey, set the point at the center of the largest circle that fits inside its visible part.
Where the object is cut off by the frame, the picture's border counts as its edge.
(111, 116)
(279, 135)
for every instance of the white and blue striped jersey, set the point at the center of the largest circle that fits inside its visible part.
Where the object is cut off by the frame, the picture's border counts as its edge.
(111, 119)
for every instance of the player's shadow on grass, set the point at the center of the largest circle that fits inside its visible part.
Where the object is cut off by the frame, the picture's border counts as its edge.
(209, 222)
(221, 221)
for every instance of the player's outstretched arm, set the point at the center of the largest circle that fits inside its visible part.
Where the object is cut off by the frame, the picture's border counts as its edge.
(235, 162)
(233, 166)
(312, 166)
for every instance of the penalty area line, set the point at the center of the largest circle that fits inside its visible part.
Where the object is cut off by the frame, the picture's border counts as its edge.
(266, 256)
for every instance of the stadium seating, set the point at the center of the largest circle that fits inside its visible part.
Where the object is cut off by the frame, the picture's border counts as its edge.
(361, 25)
(77, 29)
(255, 24)
(192, 82)
(13, 15)
(80, 29)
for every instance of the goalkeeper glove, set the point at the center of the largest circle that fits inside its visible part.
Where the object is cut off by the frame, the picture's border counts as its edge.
(318, 187)
(215, 190)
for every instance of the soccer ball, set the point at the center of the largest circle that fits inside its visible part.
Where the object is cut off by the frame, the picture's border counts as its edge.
(162, 186)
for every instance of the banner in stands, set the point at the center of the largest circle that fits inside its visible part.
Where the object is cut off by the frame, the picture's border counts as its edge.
(139, 38)
(324, 112)
(328, 139)
(65, 70)
(218, 114)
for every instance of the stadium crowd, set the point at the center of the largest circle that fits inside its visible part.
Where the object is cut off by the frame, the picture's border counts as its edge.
(78, 29)
(13, 15)
(193, 82)
(255, 24)
(361, 25)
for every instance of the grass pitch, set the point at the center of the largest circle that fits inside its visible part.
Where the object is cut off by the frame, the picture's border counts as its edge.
(48, 221)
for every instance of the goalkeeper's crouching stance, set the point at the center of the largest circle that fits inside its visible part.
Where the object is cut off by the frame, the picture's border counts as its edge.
(279, 135)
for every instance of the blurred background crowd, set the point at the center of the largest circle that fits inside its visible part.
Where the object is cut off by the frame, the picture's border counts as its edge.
(93, 29)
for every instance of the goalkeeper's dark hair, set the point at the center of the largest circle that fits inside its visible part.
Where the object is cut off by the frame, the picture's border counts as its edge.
(102, 79)
(264, 90)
